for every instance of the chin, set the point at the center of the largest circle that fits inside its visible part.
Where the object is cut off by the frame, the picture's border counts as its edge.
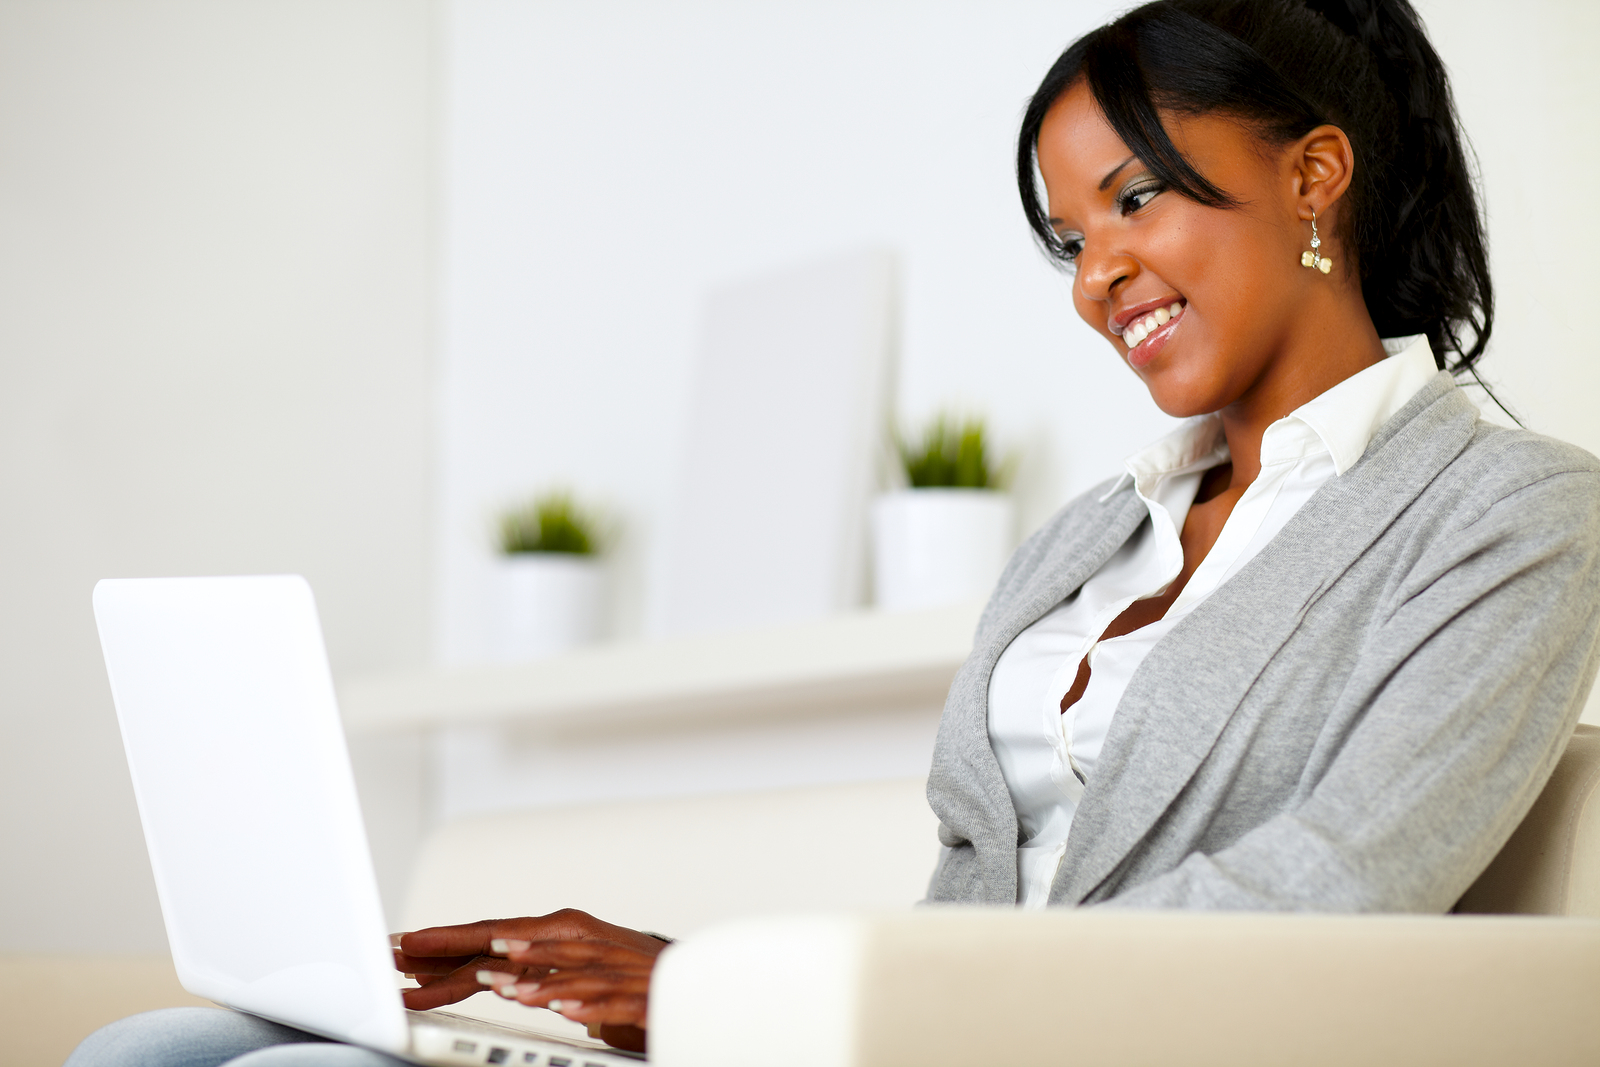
(1183, 401)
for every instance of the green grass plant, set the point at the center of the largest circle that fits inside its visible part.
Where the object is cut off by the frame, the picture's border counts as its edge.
(551, 522)
(950, 454)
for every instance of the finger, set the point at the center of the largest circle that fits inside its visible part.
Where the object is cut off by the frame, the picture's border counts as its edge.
(577, 987)
(408, 964)
(441, 991)
(628, 1008)
(630, 1036)
(578, 953)
(458, 985)
(613, 1011)
(474, 939)
(609, 1006)
(465, 941)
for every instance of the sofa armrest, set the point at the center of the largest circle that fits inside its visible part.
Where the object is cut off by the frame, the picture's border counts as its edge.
(997, 985)
(49, 1003)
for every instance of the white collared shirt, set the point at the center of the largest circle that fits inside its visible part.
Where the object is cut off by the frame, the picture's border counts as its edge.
(1046, 755)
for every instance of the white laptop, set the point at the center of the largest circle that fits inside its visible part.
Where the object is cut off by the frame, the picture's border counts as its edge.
(250, 814)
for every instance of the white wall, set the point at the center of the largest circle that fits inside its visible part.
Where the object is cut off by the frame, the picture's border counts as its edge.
(1524, 84)
(214, 308)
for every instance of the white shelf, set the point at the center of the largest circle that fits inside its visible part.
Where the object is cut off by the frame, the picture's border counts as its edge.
(841, 666)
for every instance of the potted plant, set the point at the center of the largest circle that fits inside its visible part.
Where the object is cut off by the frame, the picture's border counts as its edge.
(945, 537)
(552, 586)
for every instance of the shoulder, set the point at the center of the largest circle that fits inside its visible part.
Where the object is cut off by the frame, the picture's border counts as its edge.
(1509, 502)
(1439, 464)
(1539, 474)
(1093, 524)
(1514, 456)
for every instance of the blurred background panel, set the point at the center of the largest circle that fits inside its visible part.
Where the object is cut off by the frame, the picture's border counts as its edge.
(215, 315)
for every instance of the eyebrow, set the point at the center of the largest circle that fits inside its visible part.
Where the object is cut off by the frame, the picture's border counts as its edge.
(1109, 178)
(1105, 183)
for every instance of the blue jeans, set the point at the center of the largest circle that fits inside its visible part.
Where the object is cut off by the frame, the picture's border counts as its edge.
(209, 1037)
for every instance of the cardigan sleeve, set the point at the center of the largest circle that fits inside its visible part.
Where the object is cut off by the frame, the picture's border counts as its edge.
(1491, 645)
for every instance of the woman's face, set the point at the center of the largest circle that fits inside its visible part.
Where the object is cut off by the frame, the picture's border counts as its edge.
(1220, 285)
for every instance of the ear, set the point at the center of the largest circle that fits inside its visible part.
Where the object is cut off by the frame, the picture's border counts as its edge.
(1323, 165)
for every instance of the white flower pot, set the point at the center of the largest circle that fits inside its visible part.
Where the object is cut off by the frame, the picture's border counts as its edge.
(939, 546)
(549, 601)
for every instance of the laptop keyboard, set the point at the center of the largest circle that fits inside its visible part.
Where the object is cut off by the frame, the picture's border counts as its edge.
(473, 1041)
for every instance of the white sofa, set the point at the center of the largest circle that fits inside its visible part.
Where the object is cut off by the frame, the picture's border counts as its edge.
(802, 947)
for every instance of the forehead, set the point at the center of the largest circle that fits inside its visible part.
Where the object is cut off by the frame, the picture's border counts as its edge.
(1078, 149)
(1077, 146)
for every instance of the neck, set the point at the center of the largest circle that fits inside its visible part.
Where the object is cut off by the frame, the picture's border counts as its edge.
(1335, 340)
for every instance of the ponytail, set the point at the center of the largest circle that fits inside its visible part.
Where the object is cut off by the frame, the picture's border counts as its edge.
(1286, 67)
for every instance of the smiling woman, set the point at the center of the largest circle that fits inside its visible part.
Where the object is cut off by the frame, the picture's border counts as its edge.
(1317, 650)
(1288, 660)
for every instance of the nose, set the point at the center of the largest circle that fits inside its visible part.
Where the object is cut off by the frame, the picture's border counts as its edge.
(1099, 274)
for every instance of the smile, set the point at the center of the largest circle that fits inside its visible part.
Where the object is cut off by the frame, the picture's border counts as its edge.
(1148, 335)
(1140, 329)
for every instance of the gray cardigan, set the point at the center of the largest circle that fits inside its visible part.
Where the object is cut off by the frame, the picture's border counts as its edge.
(1356, 721)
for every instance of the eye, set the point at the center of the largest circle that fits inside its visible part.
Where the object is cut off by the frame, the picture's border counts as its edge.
(1069, 246)
(1138, 194)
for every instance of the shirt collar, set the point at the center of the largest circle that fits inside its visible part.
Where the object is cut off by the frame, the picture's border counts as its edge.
(1197, 444)
(1347, 416)
(1343, 420)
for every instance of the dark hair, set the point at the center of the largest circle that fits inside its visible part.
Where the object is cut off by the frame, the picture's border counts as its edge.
(1284, 67)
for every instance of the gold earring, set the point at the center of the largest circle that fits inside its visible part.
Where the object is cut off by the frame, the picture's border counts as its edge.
(1314, 258)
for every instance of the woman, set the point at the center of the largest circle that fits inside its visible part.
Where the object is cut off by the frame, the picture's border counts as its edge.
(1317, 650)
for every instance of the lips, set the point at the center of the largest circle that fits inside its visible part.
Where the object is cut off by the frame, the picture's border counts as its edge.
(1148, 332)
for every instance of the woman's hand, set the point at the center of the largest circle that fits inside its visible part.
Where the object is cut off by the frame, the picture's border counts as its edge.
(590, 971)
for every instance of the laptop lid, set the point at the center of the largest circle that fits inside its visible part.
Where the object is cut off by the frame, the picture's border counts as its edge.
(249, 809)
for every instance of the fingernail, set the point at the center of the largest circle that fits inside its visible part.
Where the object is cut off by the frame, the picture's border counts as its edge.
(394, 939)
(527, 988)
(509, 991)
(411, 977)
(564, 1006)
(503, 945)
(488, 977)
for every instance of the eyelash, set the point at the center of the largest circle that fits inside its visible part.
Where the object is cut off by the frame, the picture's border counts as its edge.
(1129, 200)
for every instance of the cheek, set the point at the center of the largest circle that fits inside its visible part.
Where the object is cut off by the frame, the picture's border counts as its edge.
(1234, 274)
(1092, 312)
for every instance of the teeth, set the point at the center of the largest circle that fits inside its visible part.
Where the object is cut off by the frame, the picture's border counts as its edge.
(1137, 331)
